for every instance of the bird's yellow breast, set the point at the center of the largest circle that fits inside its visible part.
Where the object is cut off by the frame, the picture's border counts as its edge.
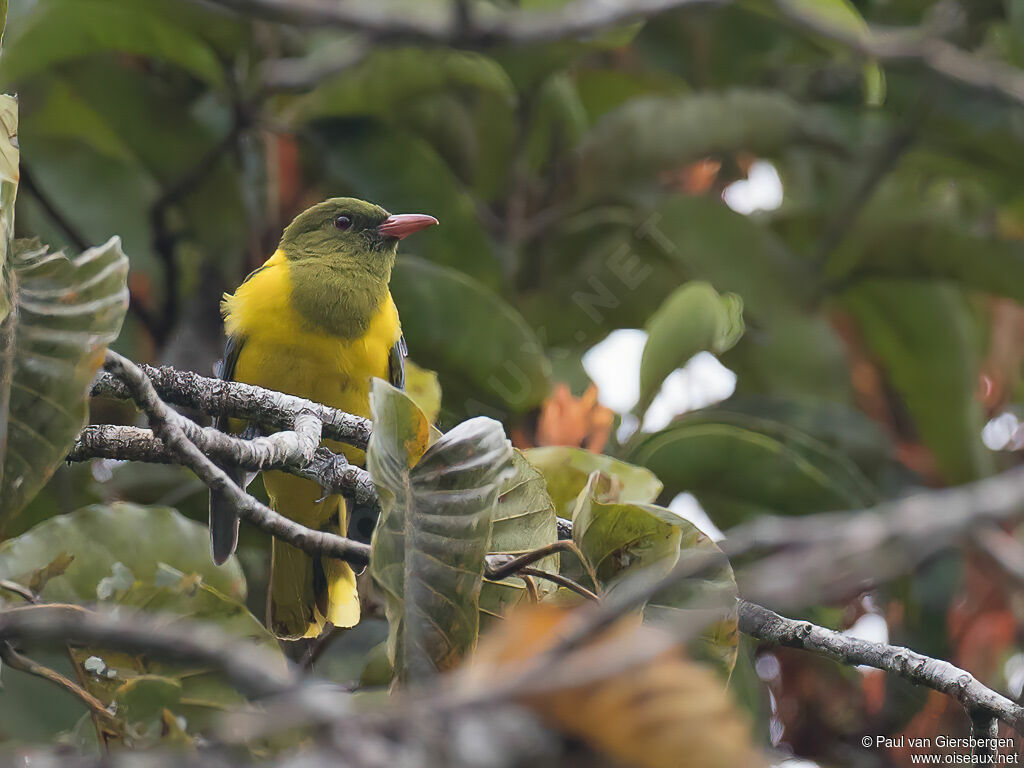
(283, 352)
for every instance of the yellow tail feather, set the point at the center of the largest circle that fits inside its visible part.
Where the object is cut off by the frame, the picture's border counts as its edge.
(306, 591)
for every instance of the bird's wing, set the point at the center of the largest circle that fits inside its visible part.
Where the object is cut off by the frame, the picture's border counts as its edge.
(396, 363)
(362, 518)
(223, 520)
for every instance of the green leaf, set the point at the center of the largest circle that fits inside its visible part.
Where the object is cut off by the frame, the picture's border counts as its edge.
(66, 312)
(97, 537)
(694, 318)
(479, 345)
(923, 336)
(620, 539)
(926, 248)
(524, 519)
(128, 558)
(792, 349)
(59, 31)
(644, 137)
(201, 694)
(737, 465)
(567, 471)
(430, 543)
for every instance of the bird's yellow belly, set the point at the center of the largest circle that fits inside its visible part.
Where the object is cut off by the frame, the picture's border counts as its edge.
(326, 370)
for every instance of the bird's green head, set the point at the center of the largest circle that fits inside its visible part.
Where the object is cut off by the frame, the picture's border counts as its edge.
(350, 235)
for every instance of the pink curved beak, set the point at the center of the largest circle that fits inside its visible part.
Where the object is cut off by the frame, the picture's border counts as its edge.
(401, 225)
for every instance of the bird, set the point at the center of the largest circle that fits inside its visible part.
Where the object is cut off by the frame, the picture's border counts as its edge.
(316, 320)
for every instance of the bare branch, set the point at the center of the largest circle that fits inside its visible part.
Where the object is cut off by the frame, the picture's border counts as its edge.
(939, 675)
(560, 580)
(253, 670)
(915, 45)
(215, 397)
(15, 660)
(330, 470)
(435, 25)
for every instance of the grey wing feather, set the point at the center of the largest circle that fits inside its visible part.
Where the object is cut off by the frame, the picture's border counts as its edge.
(363, 519)
(223, 520)
(396, 363)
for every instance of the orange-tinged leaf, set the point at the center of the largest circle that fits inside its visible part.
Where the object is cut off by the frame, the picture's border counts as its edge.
(630, 693)
(580, 422)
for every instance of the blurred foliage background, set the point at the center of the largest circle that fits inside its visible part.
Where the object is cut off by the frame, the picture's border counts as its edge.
(871, 317)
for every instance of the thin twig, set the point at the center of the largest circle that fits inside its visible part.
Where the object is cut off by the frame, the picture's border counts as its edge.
(560, 580)
(17, 661)
(23, 592)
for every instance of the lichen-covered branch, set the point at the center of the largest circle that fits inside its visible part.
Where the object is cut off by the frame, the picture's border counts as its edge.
(215, 397)
(170, 426)
(332, 471)
(937, 674)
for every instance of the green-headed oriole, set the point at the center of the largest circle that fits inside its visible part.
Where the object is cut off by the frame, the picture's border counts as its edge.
(316, 320)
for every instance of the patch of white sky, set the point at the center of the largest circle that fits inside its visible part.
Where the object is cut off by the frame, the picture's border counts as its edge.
(614, 363)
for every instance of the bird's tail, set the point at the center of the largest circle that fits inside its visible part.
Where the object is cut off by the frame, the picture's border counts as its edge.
(308, 591)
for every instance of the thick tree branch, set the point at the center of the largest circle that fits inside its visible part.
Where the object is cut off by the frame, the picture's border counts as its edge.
(171, 427)
(253, 670)
(215, 397)
(331, 470)
(939, 675)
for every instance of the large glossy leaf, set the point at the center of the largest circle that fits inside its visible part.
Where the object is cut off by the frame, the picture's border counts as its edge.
(621, 539)
(737, 465)
(923, 337)
(524, 519)
(568, 469)
(140, 538)
(694, 318)
(479, 345)
(923, 247)
(636, 142)
(430, 543)
(66, 312)
(58, 31)
(128, 558)
(789, 348)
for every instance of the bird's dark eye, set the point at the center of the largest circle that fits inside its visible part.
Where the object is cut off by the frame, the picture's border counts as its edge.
(343, 223)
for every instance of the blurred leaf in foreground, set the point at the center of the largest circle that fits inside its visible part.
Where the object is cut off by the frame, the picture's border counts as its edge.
(429, 546)
(129, 558)
(644, 703)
